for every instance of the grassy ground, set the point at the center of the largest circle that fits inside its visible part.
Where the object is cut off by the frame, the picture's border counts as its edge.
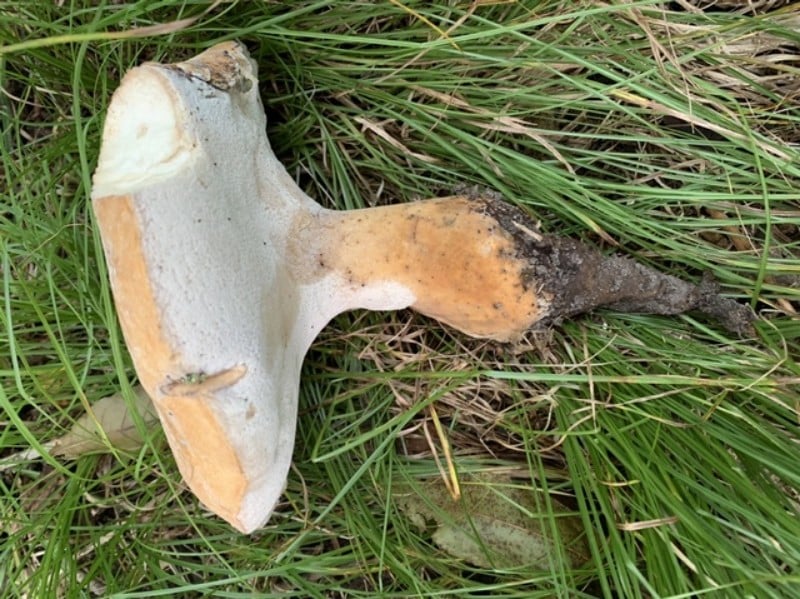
(668, 131)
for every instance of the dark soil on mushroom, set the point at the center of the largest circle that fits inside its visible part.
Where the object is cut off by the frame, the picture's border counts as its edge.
(577, 278)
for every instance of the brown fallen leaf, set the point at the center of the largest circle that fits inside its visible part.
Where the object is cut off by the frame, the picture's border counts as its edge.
(110, 418)
(496, 523)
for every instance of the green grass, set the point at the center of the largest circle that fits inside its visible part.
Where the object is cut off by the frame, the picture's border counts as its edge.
(670, 133)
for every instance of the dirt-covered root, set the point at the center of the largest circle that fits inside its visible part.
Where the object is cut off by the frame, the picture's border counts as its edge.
(576, 278)
(730, 314)
(620, 284)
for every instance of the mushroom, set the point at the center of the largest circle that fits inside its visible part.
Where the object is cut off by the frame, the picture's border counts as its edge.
(224, 271)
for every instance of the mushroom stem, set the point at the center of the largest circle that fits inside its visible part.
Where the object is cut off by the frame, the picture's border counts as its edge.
(191, 201)
(483, 267)
(455, 260)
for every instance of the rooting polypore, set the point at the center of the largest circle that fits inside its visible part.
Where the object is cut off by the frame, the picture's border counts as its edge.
(224, 271)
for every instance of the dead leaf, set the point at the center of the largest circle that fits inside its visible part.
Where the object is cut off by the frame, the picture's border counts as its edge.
(496, 523)
(113, 417)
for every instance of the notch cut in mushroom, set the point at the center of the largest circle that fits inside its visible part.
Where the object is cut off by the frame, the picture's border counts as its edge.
(224, 271)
